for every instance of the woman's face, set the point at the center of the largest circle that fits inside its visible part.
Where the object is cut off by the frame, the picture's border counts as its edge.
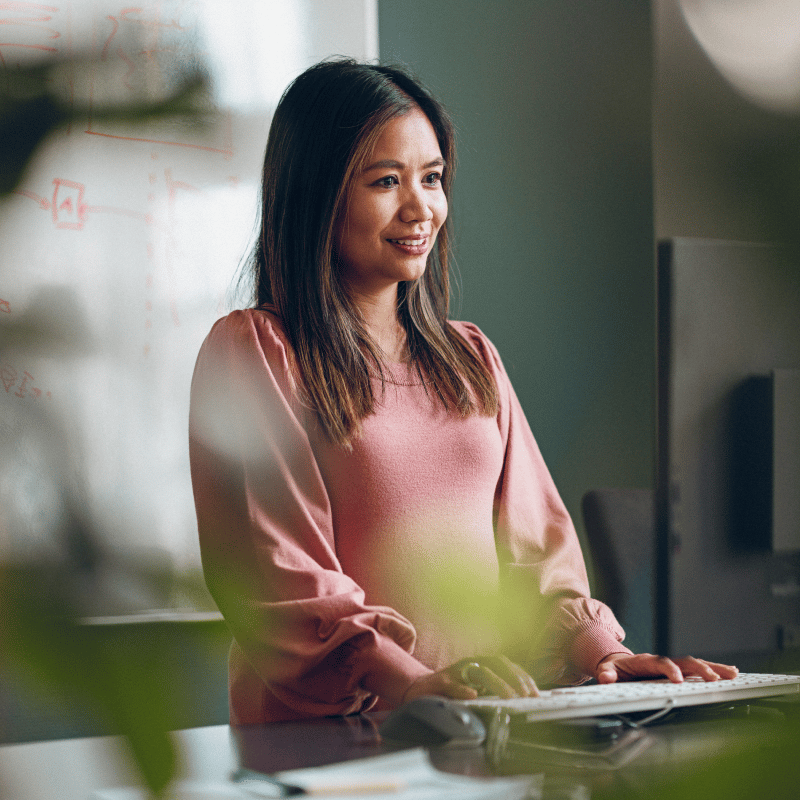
(395, 208)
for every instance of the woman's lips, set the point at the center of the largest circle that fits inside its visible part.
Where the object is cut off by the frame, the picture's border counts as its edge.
(414, 246)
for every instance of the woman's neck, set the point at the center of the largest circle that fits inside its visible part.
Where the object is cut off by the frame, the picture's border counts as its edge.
(379, 314)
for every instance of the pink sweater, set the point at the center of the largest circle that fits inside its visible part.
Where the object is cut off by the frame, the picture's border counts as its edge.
(345, 575)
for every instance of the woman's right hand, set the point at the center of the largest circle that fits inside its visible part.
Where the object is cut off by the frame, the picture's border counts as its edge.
(469, 677)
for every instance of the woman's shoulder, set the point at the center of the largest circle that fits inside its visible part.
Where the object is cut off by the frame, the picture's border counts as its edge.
(250, 335)
(480, 342)
(254, 325)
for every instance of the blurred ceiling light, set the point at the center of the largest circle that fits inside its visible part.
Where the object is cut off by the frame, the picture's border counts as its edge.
(755, 44)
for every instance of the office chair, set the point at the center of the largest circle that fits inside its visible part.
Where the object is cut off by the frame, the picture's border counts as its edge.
(620, 533)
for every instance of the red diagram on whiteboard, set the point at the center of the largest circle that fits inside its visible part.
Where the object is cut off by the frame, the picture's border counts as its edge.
(27, 26)
(20, 384)
(69, 208)
(164, 37)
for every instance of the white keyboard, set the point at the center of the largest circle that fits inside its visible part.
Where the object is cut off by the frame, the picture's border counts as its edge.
(648, 695)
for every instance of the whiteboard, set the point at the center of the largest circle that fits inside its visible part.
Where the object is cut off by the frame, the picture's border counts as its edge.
(126, 240)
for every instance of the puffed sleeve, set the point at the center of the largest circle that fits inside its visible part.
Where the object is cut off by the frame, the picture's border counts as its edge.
(551, 624)
(266, 535)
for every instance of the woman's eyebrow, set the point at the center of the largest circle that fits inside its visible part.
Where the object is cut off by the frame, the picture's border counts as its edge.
(389, 163)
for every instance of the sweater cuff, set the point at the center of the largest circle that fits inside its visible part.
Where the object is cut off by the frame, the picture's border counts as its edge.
(389, 670)
(592, 644)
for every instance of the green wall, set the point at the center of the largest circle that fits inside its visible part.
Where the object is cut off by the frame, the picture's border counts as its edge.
(553, 211)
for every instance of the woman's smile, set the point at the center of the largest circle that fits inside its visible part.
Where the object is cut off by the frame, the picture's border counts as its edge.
(413, 246)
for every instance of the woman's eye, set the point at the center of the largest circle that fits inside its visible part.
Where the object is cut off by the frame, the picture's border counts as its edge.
(386, 182)
(433, 179)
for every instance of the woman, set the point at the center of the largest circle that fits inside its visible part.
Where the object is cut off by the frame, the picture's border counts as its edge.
(375, 518)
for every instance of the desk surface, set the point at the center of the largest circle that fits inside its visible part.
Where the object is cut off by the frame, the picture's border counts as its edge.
(73, 769)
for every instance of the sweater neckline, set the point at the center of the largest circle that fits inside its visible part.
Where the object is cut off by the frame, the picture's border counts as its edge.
(399, 374)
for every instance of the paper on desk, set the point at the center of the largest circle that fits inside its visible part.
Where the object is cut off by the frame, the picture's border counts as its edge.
(410, 768)
(183, 790)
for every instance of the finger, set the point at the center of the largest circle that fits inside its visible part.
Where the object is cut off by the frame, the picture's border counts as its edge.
(488, 681)
(669, 669)
(459, 691)
(529, 687)
(645, 665)
(439, 683)
(707, 670)
(725, 671)
(517, 678)
(495, 675)
(698, 668)
(522, 683)
(607, 673)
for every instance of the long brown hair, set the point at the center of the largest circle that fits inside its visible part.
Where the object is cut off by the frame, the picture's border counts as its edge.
(322, 133)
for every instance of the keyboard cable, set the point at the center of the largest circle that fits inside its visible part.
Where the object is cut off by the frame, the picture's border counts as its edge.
(641, 723)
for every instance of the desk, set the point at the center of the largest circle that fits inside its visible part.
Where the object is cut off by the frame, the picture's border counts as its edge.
(71, 769)
(675, 750)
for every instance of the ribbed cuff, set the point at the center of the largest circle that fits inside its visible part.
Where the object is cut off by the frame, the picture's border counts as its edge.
(592, 644)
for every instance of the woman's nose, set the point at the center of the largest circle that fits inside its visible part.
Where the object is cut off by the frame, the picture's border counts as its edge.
(415, 208)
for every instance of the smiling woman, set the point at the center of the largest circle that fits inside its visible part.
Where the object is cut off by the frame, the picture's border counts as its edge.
(323, 175)
(376, 520)
(395, 209)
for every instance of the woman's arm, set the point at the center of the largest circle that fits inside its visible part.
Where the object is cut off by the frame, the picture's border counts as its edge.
(267, 540)
(552, 626)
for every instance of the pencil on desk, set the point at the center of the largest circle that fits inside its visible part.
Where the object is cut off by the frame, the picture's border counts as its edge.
(359, 788)
(247, 776)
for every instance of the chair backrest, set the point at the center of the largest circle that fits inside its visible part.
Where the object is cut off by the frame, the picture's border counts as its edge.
(620, 531)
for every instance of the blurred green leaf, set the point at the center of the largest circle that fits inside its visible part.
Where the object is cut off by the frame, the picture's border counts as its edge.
(124, 682)
(30, 110)
(766, 767)
(129, 678)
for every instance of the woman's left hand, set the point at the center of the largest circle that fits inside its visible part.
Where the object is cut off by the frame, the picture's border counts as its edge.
(625, 667)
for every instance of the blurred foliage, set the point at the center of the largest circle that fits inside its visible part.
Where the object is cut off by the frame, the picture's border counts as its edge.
(124, 683)
(128, 678)
(31, 108)
(768, 767)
